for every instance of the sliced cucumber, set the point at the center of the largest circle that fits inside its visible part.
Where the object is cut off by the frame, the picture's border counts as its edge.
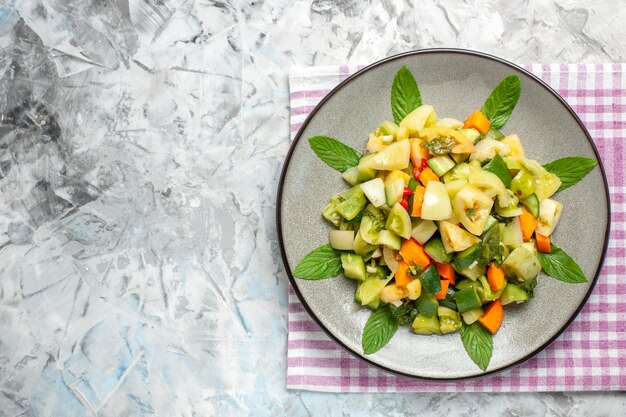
(471, 272)
(366, 172)
(351, 175)
(513, 211)
(467, 299)
(393, 191)
(434, 248)
(426, 325)
(441, 164)
(459, 157)
(522, 264)
(399, 221)
(512, 234)
(352, 203)
(467, 257)
(436, 205)
(472, 315)
(423, 230)
(431, 283)
(472, 134)
(426, 304)
(342, 239)
(532, 204)
(459, 172)
(361, 247)
(394, 156)
(389, 239)
(353, 266)
(513, 293)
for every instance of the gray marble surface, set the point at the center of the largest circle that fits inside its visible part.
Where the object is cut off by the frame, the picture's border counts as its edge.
(140, 144)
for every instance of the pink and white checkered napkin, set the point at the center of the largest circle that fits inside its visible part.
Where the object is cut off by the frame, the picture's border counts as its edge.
(589, 355)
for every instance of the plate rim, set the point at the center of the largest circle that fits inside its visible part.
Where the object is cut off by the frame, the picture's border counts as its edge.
(297, 138)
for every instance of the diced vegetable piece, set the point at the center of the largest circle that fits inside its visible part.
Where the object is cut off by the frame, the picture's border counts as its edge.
(434, 248)
(426, 325)
(427, 304)
(414, 289)
(418, 201)
(522, 264)
(549, 216)
(352, 203)
(464, 145)
(441, 164)
(472, 134)
(399, 221)
(436, 204)
(389, 239)
(472, 207)
(454, 187)
(449, 320)
(353, 266)
(449, 123)
(472, 315)
(393, 191)
(446, 272)
(402, 275)
(528, 224)
(513, 293)
(419, 118)
(366, 172)
(330, 212)
(492, 318)
(487, 149)
(513, 142)
(487, 294)
(372, 286)
(423, 230)
(512, 235)
(394, 156)
(532, 204)
(478, 121)
(454, 238)
(342, 239)
(513, 164)
(511, 211)
(444, 289)
(361, 247)
(546, 183)
(393, 293)
(543, 243)
(427, 175)
(372, 223)
(467, 299)
(374, 190)
(413, 254)
(418, 152)
(430, 280)
(388, 128)
(459, 172)
(484, 179)
(467, 257)
(449, 300)
(490, 222)
(391, 259)
(523, 184)
(397, 174)
(499, 168)
(471, 272)
(374, 304)
(351, 175)
(495, 276)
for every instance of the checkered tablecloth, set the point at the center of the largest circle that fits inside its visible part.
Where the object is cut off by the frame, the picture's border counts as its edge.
(590, 354)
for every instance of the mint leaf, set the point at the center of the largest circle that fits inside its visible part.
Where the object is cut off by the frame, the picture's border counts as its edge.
(570, 170)
(478, 343)
(379, 329)
(561, 266)
(405, 95)
(337, 155)
(502, 101)
(322, 262)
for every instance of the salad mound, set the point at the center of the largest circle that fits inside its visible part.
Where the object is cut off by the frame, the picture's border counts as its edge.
(445, 221)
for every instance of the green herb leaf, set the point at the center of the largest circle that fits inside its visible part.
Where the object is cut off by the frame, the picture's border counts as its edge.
(337, 155)
(379, 329)
(478, 343)
(502, 101)
(529, 287)
(570, 170)
(440, 146)
(322, 262)
(405, 95)
(561, 266)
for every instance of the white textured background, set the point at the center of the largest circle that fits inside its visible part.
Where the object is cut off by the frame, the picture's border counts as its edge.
(140, 144)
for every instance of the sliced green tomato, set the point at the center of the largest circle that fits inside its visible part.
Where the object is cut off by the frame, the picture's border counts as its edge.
(389, 239)
(330, 211)
(449, 123)
(426, 325)
(467, 299)
(522, 264)
(372, 223)
(426, 304)
(388, 128)
(484, 179)
(486, 149)
(459, 172)
(513, 164)
(472, 207)
(512, 234)
(371, 287)
(467, 258)
(449, 320)
(549, 216)
(394, 156)
(454, 187)
(374, 191)
(513, 293)
(393, 191)
(514, 143)
(498, 167)
(342, 239)
(472, 134)
(532, 204)
(361, 247)
(399, 221)
(419, 118)
(454, 238)
(353, 266)
(441, 164)
(546, 185)
(366, 172)
(436, 205)
(352, 203)
(472, 315)
(434, 248)
(351, 175)
(431, 283)
(423, 230)
(391, 259)
(513, 211)
(523, 184)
